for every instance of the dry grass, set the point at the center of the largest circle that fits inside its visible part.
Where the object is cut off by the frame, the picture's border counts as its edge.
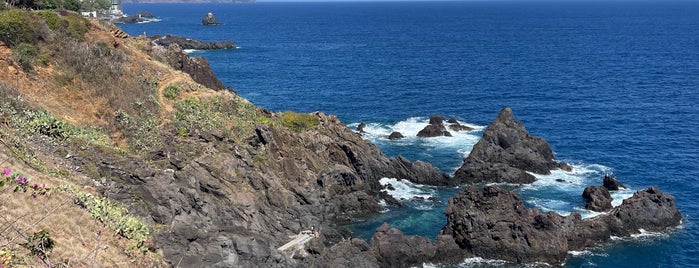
(80, 240)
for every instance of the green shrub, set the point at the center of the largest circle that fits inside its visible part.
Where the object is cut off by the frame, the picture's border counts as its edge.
(298, 121)
(41, 122)
(115, 216)
(171, 92)
(25, 54)
(67, 23)
(18, 26)
(142, 131)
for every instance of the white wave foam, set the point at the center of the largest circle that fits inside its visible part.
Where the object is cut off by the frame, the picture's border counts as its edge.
(561, 190)
(470, 262)
(189, 51)
(577, 253)
(405, 190)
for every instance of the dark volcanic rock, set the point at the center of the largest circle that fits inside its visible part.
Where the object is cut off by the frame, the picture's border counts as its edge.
(395, 135)
(435, 128)
(210, 19)
(361, 127)
(448, 252)
(649, 209)
(189, 43)
(452, 120)
(459, 127)
(392, 249)
(495, 224)
(349, 253)
(232, 204)
(505, 154)
(419, 172)
(433, 131)
(611, 183)
(436, 119)
(597, 198)
(197, 67)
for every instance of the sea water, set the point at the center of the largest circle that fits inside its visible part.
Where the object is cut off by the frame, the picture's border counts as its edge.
(613, 86)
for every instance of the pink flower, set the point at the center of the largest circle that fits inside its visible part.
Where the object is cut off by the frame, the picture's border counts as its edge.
(34, 195)
(36, 186)
(6, 172)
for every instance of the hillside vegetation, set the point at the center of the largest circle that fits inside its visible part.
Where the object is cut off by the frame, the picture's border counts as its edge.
(121, 153)
(71, 87)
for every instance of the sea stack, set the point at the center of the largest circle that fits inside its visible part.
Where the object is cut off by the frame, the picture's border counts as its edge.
(210, 20)
(507, 153)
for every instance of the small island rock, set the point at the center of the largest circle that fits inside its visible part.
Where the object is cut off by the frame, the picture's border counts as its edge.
(210, 19)
(395, 136)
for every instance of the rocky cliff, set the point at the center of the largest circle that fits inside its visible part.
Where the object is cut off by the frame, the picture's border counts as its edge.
(219, 181)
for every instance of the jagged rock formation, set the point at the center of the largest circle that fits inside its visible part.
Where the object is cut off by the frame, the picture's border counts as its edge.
(493, 223)
(348, 253)
(456, 126)
(393, 249)
(647, 210)
(210, 19)
(611, 183)
(245, 199)
(597, 198)
(435, 128)
(189, 43)
(197, 67)
(505, 153)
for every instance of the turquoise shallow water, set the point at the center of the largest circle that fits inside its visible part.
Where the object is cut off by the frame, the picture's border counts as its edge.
(613, 87)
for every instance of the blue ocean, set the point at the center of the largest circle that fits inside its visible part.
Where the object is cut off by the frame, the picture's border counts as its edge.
(613, 86)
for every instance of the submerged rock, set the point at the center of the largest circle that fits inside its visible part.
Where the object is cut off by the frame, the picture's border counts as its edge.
(505, 153)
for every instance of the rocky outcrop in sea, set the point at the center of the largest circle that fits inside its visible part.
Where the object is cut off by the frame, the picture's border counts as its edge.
(189, 43)
(210, 19)
(506, 153)
(493, 223)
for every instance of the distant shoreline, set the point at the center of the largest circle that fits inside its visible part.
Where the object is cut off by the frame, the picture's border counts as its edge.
(185, 1)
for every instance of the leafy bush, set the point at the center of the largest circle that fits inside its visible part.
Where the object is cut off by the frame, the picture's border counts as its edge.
(18, 26)
(298, 121)
(25, 54)
(142, 132)
(171, 92)
(68, 24)
(115, 216)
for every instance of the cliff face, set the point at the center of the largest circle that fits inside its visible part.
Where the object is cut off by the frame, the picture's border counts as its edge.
(220, 181)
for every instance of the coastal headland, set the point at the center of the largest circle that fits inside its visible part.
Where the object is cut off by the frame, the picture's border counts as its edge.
(210, 179)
